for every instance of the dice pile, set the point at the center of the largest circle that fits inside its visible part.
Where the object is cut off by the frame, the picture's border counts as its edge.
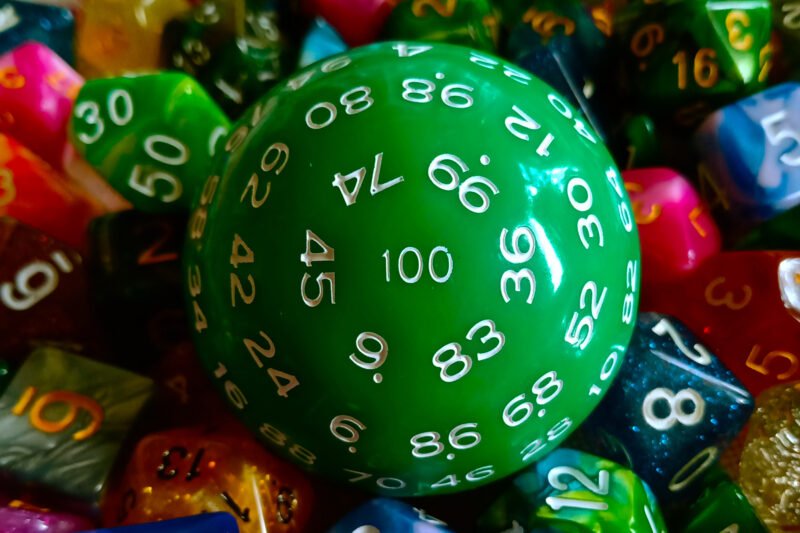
(173, 145)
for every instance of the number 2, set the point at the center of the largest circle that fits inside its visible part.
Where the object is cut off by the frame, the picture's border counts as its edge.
(444, 8)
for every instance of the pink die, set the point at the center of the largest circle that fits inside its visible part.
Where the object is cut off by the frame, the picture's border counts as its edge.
(675, 229)
(37, 91)
(357, 21)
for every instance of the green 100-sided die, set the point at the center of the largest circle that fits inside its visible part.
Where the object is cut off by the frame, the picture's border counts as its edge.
(414, 268)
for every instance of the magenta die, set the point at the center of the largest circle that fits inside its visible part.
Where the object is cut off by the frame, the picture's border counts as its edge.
(30, 520)
(37, 92)
(676, 231)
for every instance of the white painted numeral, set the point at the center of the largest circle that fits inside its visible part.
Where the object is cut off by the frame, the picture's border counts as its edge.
(421, 91)
(351, 196)
(522, 121)
(676, 402)
(414, 275)
(464, 362)
(354, 101)
(22, 294)
(685, 475)
(546, 389)
(461, 437)
(473, 192)
(600, 488)
(665, 327)
(581, 329)
(410, 50)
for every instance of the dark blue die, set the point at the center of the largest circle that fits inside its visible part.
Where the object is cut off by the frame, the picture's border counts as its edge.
(203, 523)
(752, 151)
(383, 515)
(25, 21)
(672, 409)
(559, 43)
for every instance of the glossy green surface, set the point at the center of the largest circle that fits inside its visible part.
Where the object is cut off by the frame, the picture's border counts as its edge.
(526, 285)
(686, 59)
(465, 22)
(151, 136)
(724, 508)
(576, 492)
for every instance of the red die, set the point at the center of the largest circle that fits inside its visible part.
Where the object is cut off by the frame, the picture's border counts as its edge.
(745, 307)
(32, 192)
(675, 229)
(37, 92)
(43, 290)
(357, 21)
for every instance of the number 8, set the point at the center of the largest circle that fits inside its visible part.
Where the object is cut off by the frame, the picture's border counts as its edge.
(351, 106)
(676, 413)
(457, 357)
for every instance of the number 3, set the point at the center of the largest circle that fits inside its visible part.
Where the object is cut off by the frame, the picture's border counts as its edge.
(728, 300)
(517, 277)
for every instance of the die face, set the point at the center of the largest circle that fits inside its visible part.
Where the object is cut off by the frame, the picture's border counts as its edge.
(118, 36)
(188, 471)
(723, 506)
(321, 42)
(185, 395)
(751, 149)
(189, 42)
(502, 433)
(469, 23)
(575, 491)
(43, 290)
(37, 90)
(60, 410)
(138, 254)
(359, 22)
(770, 464)
(236, 50)
(685, 59)
(674, 407)
(389, 516)
(51, 25)
(136, 283)
(33, 193)
(18, 520)
(249, 65)
(676, 230)
(152, 163)
(721, 304)
(205, 523)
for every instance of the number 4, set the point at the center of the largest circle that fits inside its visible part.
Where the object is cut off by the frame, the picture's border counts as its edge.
(406, 50)
(376, 187)
(309, 257)
(285, 382)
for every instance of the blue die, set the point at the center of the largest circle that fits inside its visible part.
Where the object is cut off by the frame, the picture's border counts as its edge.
(671, 411)
(383, 515)
(202, 523)
(25, 21)
(320, 42)
(752, 151)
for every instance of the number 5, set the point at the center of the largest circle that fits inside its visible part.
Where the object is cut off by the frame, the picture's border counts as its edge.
(776, 354)
(775, 134)
(148, 186)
